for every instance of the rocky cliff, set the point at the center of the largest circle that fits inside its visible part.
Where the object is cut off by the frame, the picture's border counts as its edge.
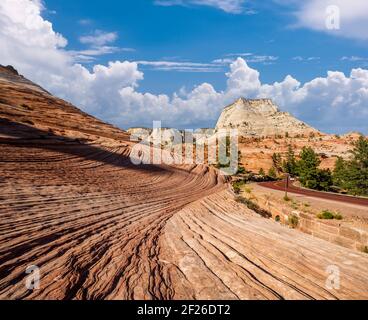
(261, 117)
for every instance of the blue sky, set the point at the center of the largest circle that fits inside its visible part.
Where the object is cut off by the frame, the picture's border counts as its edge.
(181, 61)
(202, 34)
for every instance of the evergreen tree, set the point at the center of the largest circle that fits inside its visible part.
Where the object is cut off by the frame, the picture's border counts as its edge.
(340, 173)
(277, 162)
(324, 179)
(290, 165)
(272, 173)
(356, 181)
(310, 175)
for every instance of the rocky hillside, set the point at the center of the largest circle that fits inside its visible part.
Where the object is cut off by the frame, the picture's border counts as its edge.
(24, 102)
(99, 227)
(260, 118)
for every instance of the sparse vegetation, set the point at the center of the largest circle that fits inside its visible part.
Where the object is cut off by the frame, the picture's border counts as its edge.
(294, 205)
(352, 175)
(241, 170)
(293, 221)
(287, 199)
(272, 173)
(254, 207)
(277, 162)
(365, 249)
(329, 215)
(237, 186)
(247, 190)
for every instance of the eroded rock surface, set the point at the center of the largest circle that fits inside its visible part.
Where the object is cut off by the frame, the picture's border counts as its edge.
(261, 117)
(98, 227)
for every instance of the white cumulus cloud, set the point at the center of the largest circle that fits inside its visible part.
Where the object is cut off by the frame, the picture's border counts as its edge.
(313, 14)
(335, 102)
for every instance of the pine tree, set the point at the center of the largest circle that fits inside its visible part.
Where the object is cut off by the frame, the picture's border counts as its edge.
(324, 179)
(310, 175)
(357, 169)
(290, 165)
(308, 168)
(340, 173)
(277, 162)
(272, 173)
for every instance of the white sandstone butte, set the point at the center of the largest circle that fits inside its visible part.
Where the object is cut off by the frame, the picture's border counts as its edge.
(261, 117)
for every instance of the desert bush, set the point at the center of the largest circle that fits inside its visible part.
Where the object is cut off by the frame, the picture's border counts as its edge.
(237, 186)
(294, 205)
(248, 190)
(329, 215)
(293, 221)
(254, 207)
(241, 170)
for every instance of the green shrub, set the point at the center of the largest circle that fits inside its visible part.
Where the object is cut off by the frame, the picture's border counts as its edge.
(254, 207)
(237, 185)
(338, 216)
(329, 215)
(248, 190)
(294, 205)
(241, 170)
(293, 221)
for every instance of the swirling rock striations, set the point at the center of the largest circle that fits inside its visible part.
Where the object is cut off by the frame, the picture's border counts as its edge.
(98, 227)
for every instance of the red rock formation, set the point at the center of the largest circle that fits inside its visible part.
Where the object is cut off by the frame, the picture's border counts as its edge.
(99, 227)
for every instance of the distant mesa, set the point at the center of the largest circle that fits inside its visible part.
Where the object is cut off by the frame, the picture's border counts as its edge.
(261, 117)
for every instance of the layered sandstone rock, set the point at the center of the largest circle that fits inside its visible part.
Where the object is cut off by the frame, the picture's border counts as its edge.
(99, 227)
(259, 118)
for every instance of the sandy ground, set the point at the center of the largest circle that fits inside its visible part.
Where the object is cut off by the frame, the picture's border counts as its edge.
(348, 210)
